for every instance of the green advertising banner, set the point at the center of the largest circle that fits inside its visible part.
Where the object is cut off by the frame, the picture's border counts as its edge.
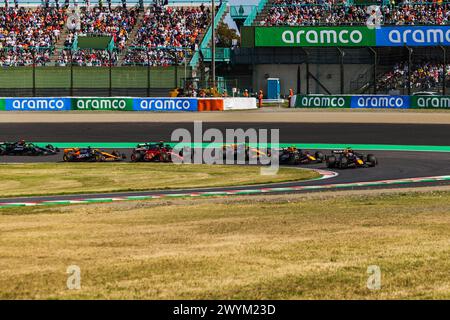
(314, 37)
(108, 104)
(2, 104)
(430, 102)
(310, 101)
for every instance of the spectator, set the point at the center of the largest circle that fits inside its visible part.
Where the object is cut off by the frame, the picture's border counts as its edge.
(424, 76)
(25, 32)
(329, 12)
(169, 34)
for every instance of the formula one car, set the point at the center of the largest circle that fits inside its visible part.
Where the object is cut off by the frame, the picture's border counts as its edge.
(242, 151)
(91, 155)
(154, 152)
(294, 156)
(348, 158)
(22, 148)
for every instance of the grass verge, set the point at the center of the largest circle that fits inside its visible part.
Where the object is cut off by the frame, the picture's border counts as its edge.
(259, 247)
(63, 178)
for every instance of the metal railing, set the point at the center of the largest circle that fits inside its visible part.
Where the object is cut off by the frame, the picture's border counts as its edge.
(222, 54)
(36, 73)
(254, 13)
(105, 2)
(207, 38)
(240, 11)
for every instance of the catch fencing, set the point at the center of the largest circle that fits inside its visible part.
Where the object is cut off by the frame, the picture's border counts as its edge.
(43, 72)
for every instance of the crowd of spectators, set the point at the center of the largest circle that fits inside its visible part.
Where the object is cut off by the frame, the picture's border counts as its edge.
(155, 56)
(25, 32)
(168, 33)
(334, 12)
(88, 58)
(424, 76)
(116, 22)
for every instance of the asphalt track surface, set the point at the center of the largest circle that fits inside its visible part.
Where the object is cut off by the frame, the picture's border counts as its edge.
(350, 133)
(392, 164)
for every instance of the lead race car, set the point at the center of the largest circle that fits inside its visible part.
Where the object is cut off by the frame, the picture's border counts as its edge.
(91, 155)
(23, 148)
(348, 158)
(294, 156)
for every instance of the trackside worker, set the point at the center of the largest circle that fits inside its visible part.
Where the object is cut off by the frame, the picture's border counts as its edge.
(291, 94)
(246, 93)
(260, 98)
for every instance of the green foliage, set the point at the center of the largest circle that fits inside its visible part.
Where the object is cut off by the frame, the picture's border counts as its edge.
(225, 35)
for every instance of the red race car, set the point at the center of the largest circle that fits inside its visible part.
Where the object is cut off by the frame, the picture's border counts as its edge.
(154, 152)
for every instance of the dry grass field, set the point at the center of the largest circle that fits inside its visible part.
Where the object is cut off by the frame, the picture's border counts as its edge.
(59, 178)
(249, 247)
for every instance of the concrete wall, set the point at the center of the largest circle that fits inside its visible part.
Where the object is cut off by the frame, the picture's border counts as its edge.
(328, 74)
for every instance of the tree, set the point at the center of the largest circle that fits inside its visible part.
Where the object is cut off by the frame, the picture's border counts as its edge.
(225, 35)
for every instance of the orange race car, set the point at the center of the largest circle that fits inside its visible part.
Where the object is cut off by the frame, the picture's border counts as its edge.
(91, 155)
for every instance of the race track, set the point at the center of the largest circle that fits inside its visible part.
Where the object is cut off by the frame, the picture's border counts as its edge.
(393, 164)
(350, 133)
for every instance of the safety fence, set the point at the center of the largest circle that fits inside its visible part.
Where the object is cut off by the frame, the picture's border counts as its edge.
(125, 104)
(371, 101)
(90, 81)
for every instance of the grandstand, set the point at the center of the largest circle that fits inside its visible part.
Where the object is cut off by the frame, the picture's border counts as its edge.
(158, 45)
(377, 64)
(40, 52)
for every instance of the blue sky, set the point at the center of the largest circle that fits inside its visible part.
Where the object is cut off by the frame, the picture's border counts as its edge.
(228, 20)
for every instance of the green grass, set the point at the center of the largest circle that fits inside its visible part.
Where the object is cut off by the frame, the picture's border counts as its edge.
(259, 247)
(61, 178)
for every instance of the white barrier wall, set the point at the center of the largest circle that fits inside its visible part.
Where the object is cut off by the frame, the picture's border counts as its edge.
(239, 103)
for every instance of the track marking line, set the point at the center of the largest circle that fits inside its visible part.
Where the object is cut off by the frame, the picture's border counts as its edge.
(233, 192)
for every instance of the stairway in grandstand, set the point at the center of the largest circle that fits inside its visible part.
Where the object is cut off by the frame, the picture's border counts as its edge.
(131, 36)
(59, 46)
(207, 44)
(263, 14)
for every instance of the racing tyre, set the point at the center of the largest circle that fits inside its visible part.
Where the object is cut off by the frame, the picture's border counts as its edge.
(293, 160)
(135, 157)
(319, 156)
(164, 157)
(343, 163)
(371, 160)
(331, 162)
(66, 158)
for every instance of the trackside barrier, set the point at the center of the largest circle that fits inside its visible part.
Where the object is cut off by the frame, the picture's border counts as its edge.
(371, 102)
(126, 104)
(210, 104)
(239, 103)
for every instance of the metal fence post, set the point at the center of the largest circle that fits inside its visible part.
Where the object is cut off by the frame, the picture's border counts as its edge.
(71, 73)
(110, 73)
(410, 50)
(33, 53)
(444, 67)
(342, 68)
(307, 72)
(176, 74)
(375, 60)
(148, 72)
